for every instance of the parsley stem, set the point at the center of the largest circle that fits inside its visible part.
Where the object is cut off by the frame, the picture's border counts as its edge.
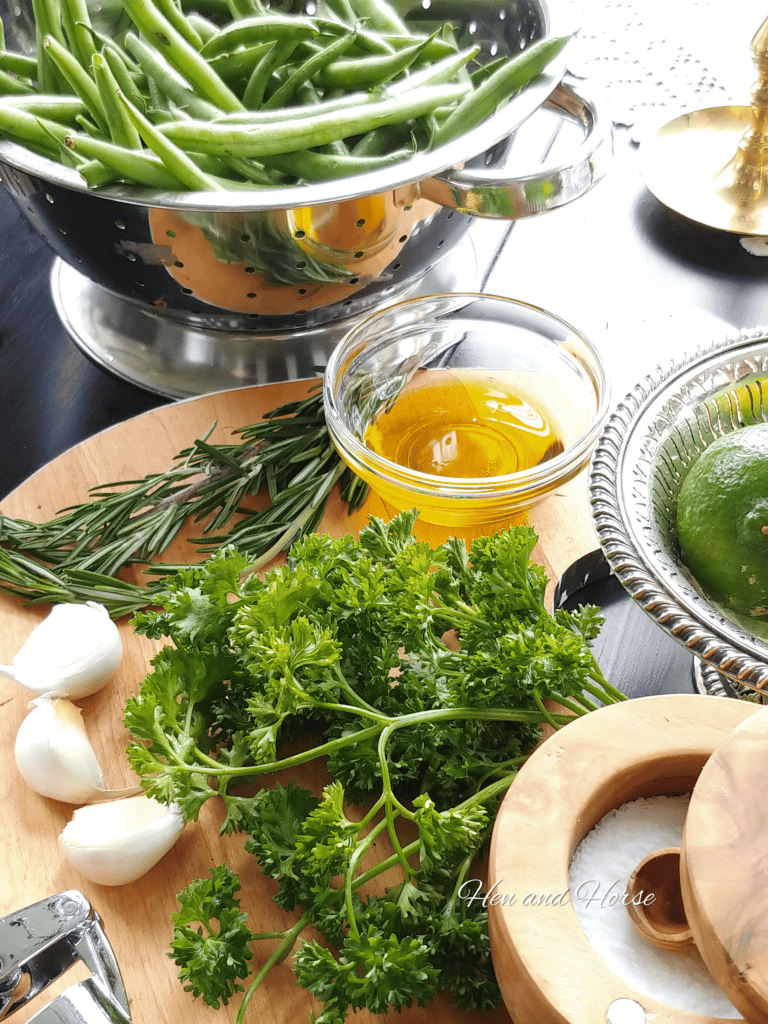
(585, 703)
(482, 796)
(545, 714)
(349, 875)
(279, 954)
(388, 807)
(460, 878)
(353, 694)
(605, 688)
(402, 722)
(574, 704)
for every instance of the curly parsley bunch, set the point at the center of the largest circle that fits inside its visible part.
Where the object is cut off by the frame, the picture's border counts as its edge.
(347, 642)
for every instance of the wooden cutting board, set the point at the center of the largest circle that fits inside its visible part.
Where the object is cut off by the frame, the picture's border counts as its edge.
(137, 917)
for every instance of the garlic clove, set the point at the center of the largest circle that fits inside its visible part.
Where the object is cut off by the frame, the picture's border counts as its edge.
(73, 652)
(117, 842)
(53, 752)
(55, 757)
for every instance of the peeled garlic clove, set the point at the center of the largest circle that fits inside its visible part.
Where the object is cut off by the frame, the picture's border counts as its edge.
(53, 752)
(73, 652)
(117, 842)
(55, 757)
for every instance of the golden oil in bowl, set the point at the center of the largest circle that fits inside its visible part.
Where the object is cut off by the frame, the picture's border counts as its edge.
(469, 408)
(463, 423)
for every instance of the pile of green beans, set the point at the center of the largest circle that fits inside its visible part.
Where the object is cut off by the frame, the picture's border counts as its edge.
(244, 97)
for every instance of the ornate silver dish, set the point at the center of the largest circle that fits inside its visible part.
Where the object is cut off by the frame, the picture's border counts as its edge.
(635, 476)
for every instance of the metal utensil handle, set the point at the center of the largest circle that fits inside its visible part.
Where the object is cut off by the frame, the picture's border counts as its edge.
(40, 943)
(487, 192)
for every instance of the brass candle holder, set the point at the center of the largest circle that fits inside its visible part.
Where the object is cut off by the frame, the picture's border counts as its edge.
(711, 165)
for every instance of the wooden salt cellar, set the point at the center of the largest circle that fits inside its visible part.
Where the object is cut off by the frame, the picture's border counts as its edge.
(714, 748)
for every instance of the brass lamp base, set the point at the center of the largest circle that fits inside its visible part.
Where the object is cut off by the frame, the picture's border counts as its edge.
(712, 165)
(686, 166)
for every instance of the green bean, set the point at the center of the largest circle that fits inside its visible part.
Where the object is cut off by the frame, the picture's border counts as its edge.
(369, 39)
(96, 174)
(381, 141)
(341, 9)
(250, 170)
(90, 127)
(122, 131)
(111, 163)
(2, 34)
(343, 102)
(180, 54)
(63, 109)
(308, 165)
(79, 31)
(444, 70)
(240, 64)
(204, 27)
(310, 97)
(253, 95)
(79, 79)
(307, 129)
(10, 85)
(138, 166)
(380, 15)
(177, 18)
(368, 71)
(248, 31)
(169, 81)
(480, 74)
(437, 48)
(216, 11)
(508, 80)
(18, 64)
(122, 59)
(243, 8)
(47, 22)
(28, 128)
(120, 68)
(267, 117)
(176, 161)
(308, 69)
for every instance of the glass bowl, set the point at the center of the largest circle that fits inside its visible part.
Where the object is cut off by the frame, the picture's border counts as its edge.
(640, 461)
(470, 408)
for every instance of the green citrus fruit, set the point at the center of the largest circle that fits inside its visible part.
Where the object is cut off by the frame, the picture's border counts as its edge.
(722, 520)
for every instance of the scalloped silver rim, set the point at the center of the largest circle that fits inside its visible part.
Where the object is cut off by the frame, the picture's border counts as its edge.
(714, 647)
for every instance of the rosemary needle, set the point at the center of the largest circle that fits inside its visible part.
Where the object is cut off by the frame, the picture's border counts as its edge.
(77, 555)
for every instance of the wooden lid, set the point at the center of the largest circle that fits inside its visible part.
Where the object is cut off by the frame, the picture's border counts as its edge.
(548, 971)
(724, 866)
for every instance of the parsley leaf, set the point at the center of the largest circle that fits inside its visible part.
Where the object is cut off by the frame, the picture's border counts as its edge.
(211, 940)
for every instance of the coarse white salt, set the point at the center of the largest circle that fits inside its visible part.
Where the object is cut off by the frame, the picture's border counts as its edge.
(597, 880)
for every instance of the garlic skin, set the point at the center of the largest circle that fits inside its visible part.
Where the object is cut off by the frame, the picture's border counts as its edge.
(53, 752)
(73, 652)
(117, 842)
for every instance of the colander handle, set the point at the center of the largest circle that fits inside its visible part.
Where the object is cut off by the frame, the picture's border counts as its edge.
(487, 192)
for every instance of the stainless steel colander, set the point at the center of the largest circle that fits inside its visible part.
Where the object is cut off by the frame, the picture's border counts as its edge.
(301, 257)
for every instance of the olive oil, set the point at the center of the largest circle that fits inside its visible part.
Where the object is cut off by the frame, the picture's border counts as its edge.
(463, 423)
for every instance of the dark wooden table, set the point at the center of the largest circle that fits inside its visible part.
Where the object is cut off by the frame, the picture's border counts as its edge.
(52, 396)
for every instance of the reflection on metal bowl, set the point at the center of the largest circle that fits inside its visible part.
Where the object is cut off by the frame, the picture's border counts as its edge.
(287, 262)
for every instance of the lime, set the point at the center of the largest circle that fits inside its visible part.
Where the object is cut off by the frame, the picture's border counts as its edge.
(722, 520)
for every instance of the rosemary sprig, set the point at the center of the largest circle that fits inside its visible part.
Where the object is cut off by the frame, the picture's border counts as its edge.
(77, 555)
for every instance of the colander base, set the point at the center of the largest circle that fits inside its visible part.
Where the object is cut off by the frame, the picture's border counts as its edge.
(175, 360)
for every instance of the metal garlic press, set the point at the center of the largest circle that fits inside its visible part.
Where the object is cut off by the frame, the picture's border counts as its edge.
(42, 941)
